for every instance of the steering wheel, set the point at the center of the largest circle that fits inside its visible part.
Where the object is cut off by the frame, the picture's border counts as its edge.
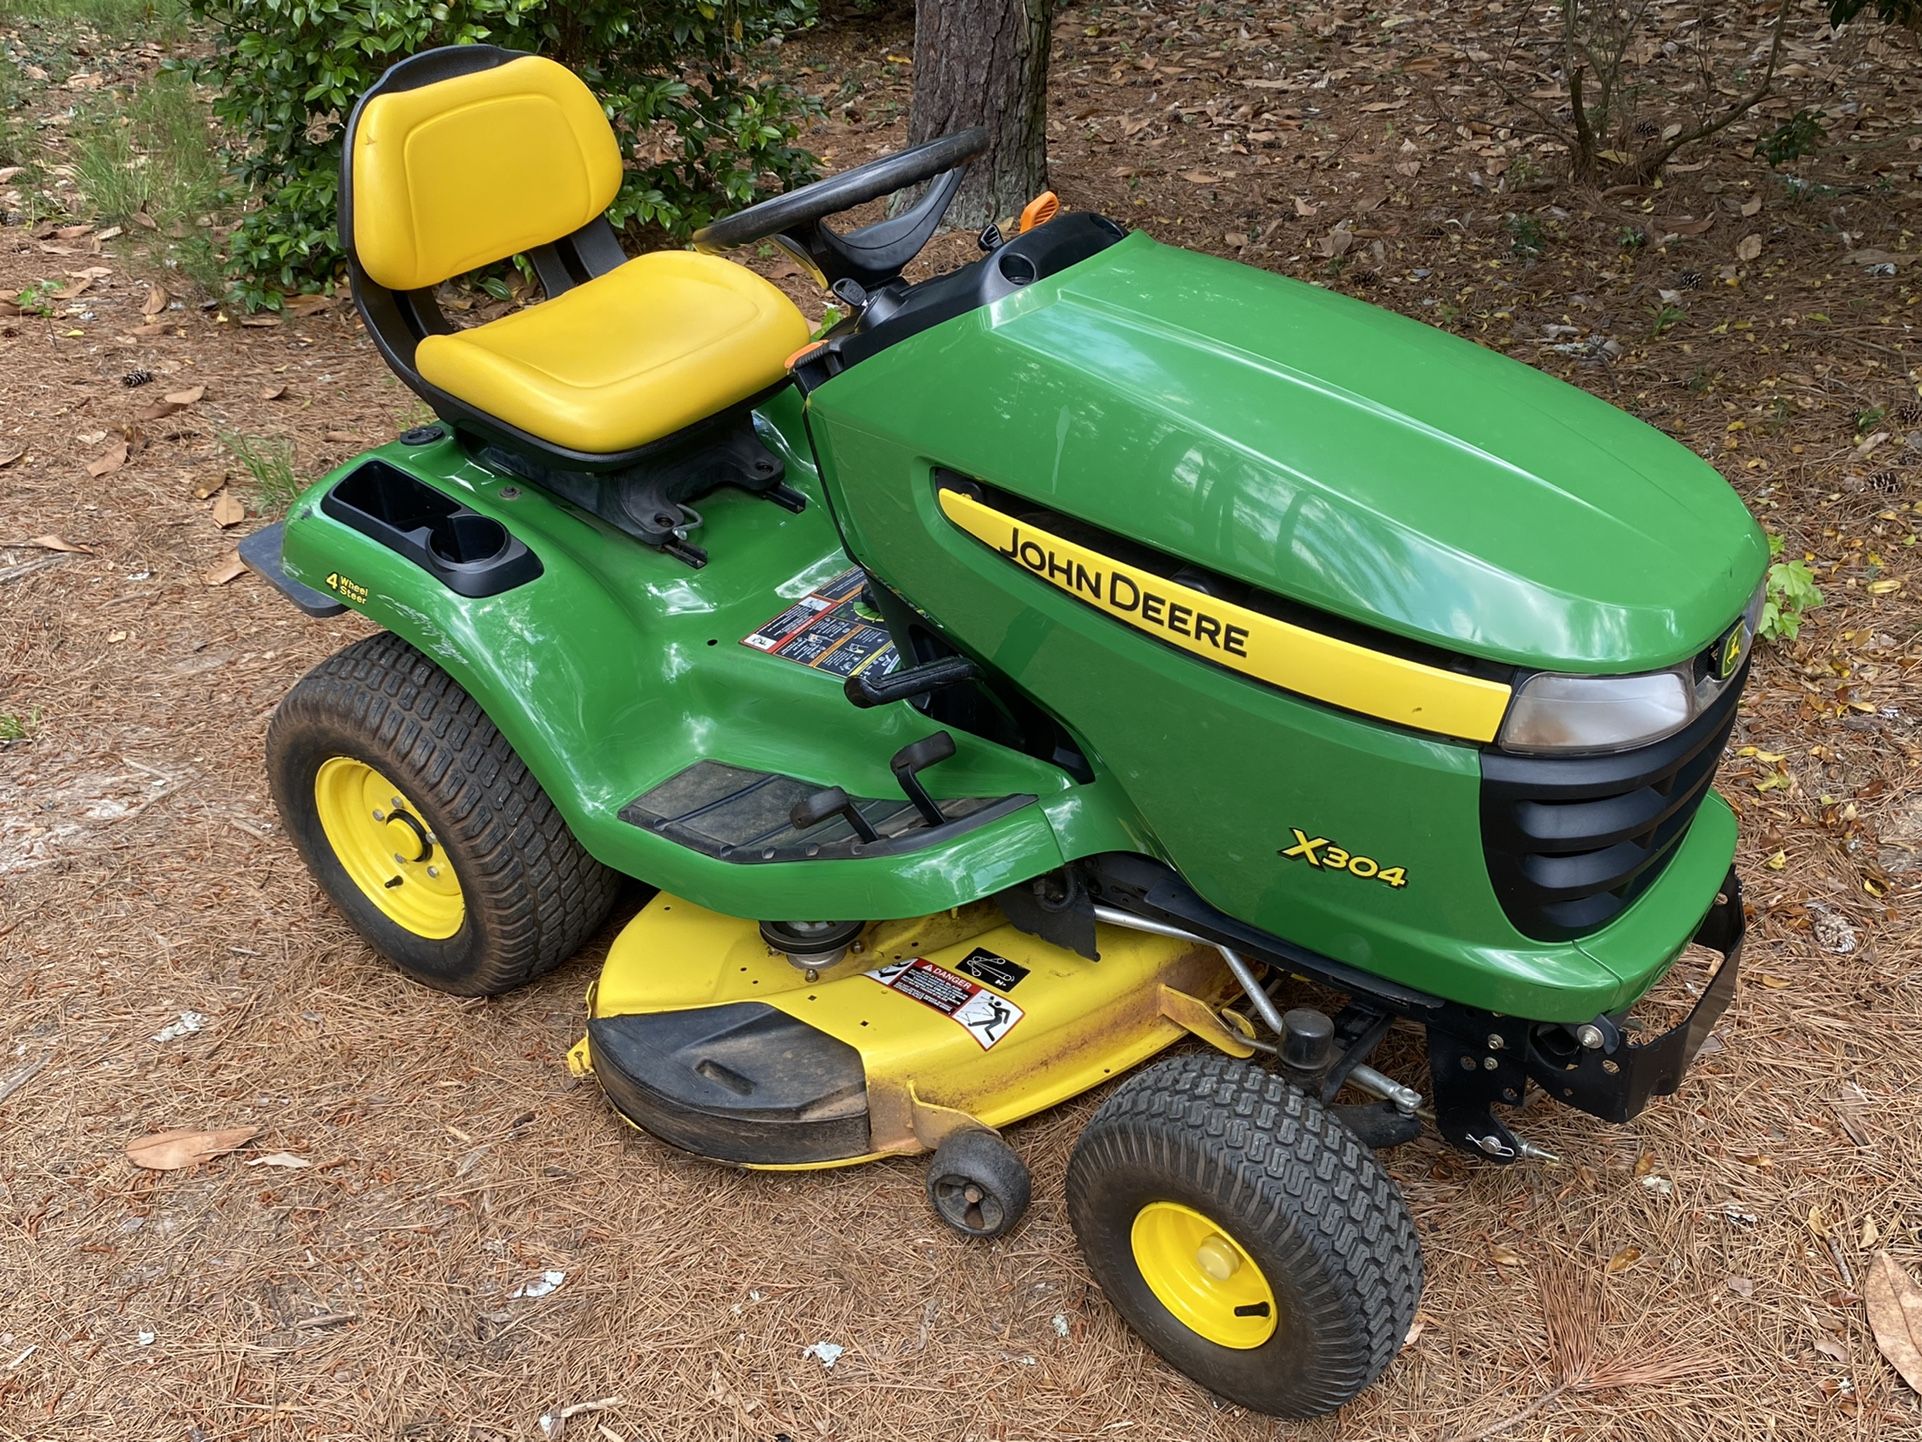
(873, 254)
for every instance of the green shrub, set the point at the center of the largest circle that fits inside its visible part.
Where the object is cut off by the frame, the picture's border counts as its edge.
(1789, 594)
(1801, 134)
(700, 134)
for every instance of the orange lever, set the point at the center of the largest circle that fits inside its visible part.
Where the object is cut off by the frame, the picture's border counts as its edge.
(812, 345)
(1039, 211)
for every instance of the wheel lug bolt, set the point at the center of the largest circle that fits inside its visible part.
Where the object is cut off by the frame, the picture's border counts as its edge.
(972, 1194)
(433, 871)
(399, 860)
(396, 802)
(379, 815)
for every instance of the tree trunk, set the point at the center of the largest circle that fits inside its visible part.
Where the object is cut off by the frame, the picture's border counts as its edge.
(985, 62)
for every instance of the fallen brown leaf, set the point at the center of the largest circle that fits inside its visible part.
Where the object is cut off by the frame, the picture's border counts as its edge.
(1686, 225)
(278, 1159)
(156, 300)
(226, 571)
(108, 461)
(186, 397)
(158, 411)
(176, 1150)
(55, 543)
(1623, 1260)
(152, 327)
(11, 454)
(274, 393)
(228, 510)
(1894, 1305)
(1748, 248)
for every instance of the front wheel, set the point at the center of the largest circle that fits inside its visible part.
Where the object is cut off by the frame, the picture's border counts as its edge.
(424, 828)
(1245, 1234)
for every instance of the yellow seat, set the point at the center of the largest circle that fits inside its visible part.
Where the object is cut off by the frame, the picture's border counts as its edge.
(624, 359)
(469, 155)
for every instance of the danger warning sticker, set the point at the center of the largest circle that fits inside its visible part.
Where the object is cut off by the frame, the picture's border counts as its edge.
(826, 630)
(986, 1017)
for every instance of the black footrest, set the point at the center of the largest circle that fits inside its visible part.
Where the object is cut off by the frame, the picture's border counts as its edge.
(741, 1082)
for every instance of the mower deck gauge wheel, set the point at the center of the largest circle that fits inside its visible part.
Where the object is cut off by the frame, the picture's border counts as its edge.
(977, 1184)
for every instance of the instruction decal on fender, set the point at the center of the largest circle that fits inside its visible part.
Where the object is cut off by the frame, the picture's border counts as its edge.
(983, 1015)
(826, 631)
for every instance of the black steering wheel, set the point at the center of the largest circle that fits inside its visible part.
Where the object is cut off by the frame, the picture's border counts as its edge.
(873, 254)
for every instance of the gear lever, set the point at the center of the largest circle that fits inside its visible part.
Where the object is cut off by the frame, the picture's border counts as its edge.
(918, 756)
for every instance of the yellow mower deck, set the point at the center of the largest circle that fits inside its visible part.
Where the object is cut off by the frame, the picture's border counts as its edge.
(701, 1034)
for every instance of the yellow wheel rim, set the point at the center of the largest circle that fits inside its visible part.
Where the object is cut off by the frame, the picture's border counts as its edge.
(1203, 1276)
(386, 849)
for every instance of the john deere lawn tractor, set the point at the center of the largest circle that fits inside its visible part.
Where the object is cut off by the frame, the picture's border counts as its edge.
(1061, 660)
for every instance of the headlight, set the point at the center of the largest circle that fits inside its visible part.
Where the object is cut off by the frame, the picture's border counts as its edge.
(1554, 712)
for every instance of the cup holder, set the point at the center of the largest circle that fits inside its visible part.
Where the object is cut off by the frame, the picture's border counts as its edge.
(469, 553)
(1017, 268)
(465, 539)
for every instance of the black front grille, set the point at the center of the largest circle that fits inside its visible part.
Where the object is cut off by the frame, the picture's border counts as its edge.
(1572, 840)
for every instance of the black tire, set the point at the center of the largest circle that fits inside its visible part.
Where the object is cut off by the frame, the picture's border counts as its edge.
(1292, 1189)
(978, 1184)
(530, 895)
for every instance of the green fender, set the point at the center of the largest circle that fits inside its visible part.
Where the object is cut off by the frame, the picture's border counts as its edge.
(618, 667)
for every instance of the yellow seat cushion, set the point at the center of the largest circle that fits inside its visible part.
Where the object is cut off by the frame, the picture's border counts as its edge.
(626, 358)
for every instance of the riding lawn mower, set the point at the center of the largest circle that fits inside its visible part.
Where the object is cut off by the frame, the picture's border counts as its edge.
(1059, 660)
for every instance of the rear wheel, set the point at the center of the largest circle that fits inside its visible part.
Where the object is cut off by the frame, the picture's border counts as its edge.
(424, 828)
(1245, 1234)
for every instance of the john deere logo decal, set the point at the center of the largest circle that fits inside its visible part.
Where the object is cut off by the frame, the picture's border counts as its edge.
(1730, 654)
(1237, 638)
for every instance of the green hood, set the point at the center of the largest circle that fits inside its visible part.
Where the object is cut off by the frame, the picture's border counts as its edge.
(1340, 456)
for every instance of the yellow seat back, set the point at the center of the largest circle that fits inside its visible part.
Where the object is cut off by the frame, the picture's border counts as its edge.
(474, 168)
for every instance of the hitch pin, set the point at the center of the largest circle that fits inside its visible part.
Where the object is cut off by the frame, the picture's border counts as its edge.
(1522, 1150)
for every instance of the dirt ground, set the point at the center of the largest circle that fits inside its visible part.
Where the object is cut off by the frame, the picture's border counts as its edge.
(373, 1293)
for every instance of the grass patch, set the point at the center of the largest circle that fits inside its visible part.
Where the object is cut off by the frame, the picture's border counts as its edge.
(269, 464)
(18, 726)
(19, 142)
(156, 158)
(121, 19)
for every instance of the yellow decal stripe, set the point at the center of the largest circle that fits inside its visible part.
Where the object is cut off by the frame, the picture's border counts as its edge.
(1338, 672)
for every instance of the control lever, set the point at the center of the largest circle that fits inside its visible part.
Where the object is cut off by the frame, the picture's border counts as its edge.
(918, 756)
(865, 690)
(810, 811)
